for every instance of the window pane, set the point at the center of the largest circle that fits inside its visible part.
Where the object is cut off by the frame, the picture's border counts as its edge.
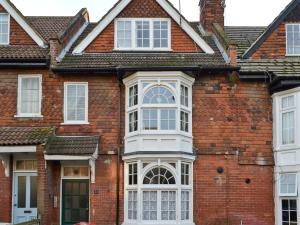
(150, 117)
(21, 192)
(124, 34)
(184, 121)
(185, 205)
(159, 175)
(288, 128)
(168, 119)
(30, 99)
(132, 205)
(149, 205)
(288, 183)
(133, 121)
(160, 34)
(293, 39)
(159, 95)
(185, 172)
(4, 29)
(143, 34)
(33, 192)
(133, 95)
(76, 102)
(168, 205)
(132, 169)
(288, 102)
(289, 211)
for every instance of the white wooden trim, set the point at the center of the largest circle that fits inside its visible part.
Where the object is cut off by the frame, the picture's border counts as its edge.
(85, 121)
(31, 32)
(17, 149)
(19, 100)
(66, 157)
(166, 6)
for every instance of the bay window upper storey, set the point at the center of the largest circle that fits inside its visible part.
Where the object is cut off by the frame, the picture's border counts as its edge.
(140, 34)
(158, 112)
(287, 126)
(293, 39)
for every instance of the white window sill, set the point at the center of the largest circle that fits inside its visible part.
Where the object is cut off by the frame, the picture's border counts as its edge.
(74, 124)
(29, 116)
(143, 49)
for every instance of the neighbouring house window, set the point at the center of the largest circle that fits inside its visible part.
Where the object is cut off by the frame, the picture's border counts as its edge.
(76, 103)
(4, 29)
(29, 95)
(124, 34)
(143, 34)
(288, 119)
(288, 184)
(289, 211)
(162, 198)
(293, 39)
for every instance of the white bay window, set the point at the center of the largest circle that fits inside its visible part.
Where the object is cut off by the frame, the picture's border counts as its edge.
(142, 34)
(29, 95)
(158, 196)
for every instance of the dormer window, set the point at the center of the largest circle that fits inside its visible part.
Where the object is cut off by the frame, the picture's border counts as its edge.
(293, 39)
(4, 29)
(142, 34)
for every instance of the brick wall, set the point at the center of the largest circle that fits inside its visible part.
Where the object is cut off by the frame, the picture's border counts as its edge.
(275, 45)
(181, 42)
(232, 128)
(5, 195)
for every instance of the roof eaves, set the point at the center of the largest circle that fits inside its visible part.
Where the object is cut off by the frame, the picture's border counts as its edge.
(270, 28)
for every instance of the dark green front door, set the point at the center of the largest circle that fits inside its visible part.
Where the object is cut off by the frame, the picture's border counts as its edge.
(75, 201)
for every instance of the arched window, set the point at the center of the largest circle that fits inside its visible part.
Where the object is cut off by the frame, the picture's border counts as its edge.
(159, 175)
(159, 118)
(159, 95)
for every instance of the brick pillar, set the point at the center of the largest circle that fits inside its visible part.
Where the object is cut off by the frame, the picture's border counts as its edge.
(43, 201)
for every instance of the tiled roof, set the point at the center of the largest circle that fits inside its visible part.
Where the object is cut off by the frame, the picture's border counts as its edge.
(111, 60)
(49, 26)
(23, 52)
(243, 36)
(71, 145)
(24, 135)
(279, 67)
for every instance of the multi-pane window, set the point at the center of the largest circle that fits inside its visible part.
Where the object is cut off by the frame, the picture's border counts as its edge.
(76, 102)
(293, 39)
(288, 119)
(289, 212)
(132, 174)
(124, 33)
(185, 172)
(288, 184)
(185, 205)
(29, 97)
(184, 95)
(4, 29)
(132, 205)
(168, 205)
(133, 121)
(167, 119)
(149, 205)
(133, 95)
(160, 34)
(184, 121)
(159, 175)
(144, 34)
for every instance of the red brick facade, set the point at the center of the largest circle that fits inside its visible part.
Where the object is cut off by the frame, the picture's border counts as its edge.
(181, 42)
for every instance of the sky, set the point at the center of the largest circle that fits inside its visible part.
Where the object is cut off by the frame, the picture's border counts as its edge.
(238, 12)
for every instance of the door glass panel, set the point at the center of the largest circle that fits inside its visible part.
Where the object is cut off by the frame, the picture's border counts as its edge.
(75, 189)
(21, 192)
(33, 192)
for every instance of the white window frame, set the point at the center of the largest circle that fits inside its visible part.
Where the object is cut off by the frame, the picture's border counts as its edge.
(295, 194)
(140, 188)
(133, 34)
(286, 39)
(85, 121)
(19, 101)
(8, 35)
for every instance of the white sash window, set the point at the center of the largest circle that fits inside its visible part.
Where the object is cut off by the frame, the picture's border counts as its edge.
(4, 29)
